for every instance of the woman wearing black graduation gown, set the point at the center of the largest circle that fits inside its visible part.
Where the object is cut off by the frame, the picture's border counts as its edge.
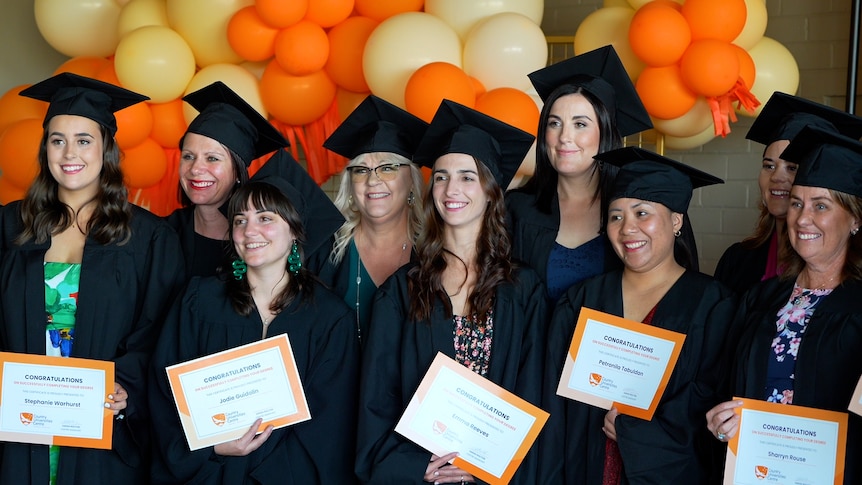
(439, 305)
(276, 295)
(216, 150)
(380, 196)
(557, 218)
(799, 335)
(588, 445)
(756, 258)
(122, 265)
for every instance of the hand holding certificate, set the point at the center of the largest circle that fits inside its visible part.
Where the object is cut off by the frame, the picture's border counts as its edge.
(55, 400)
(219, 396)
(456, 410)
(786, 444)
(614, 362)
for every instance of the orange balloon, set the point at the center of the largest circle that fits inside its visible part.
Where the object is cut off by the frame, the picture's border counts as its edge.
(346, 44)
(295, 100)
(281, 13)
(478, 87)
(659, 34)
(327, 13)
(381, 10)
(134, 125)
(747, 71)
(715, 19)
(251, 37)
(14, 107)
(663, 93)
(144, 165)
(302, 48)
(347, 101)
(10, 193)
(710, 67)
(84, 65)
(19, 151)
(429, 85)
(171, 124)
(511, 106)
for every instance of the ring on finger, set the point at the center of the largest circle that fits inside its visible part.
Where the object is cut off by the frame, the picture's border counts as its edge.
(721, 436)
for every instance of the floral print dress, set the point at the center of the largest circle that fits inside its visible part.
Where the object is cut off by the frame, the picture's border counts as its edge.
(473, 342)
(792, 322)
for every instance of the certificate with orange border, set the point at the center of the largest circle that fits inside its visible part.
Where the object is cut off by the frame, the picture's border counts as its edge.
(219, 396)
(856, 402)
(56, 400)
(780, 443)
(614, 362)
(455, 409)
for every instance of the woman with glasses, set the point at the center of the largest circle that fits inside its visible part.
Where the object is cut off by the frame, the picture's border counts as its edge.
(380, 197)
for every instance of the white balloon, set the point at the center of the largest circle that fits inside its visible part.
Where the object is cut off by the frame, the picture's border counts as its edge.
(79, 27)
(502, 49)
(463, 15)
(400, 45)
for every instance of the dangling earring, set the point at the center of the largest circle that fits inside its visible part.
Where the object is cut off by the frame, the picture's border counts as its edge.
(239, 269)
(294, 262)
(410, 199)
(854, 231)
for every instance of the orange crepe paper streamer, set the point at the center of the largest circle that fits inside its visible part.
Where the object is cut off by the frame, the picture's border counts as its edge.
(722, 106)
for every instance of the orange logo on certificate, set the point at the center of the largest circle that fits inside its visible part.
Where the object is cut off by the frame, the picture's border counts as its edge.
(439, 428)
(219, 419)
(761, 472)
(26, 418)
(595, 379)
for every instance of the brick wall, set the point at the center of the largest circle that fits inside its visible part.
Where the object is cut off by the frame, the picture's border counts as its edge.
(817, 33)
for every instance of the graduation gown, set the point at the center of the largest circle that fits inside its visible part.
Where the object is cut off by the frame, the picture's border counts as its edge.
(533, 232)
(827, 364)
(124, 292)
(740, 268)
(675, 446)
(214, 254)
(324, 343)
(398, 352)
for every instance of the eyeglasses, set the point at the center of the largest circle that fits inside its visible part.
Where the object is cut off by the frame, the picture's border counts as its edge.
(386, 172)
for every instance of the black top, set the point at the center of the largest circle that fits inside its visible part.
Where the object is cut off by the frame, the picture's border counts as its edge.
(740, 268)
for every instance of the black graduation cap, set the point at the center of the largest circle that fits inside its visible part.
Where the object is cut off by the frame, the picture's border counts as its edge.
(377, 126)
(826, 159)
(71, 94)
(459, 129)
(230, 120)
(319, 215)
(784, 116)
(600, 72)
(649, 176)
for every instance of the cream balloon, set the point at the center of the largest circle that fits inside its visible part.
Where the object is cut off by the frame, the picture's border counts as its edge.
(240, 80)
(155, 61)
(755, 24)
(400, 45)
(694, 121)
(79, 27)
(140, 13)
(609, 26)
(462, 16)
(689, 142)
(203, 24)
(256, 68)
(776, 71)
(636, 4)
(502, 49)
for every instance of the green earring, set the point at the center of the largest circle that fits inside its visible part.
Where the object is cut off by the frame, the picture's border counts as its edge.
(294, 262)
(239, 269)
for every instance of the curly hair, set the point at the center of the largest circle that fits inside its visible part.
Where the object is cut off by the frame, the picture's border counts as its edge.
(43, 213)
(493, 255)
(352, 217)
(263, 196)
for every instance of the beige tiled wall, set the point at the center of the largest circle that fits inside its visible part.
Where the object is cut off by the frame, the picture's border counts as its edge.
(817, 33)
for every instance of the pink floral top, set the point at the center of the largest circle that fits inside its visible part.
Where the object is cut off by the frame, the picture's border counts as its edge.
(473, 342)
(792, 321)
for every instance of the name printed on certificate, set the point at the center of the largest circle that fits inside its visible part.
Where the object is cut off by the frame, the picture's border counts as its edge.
(856, 401)
(219, 396)
(55, 400)
(455, 409)
(614, 362)
(780, 443)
